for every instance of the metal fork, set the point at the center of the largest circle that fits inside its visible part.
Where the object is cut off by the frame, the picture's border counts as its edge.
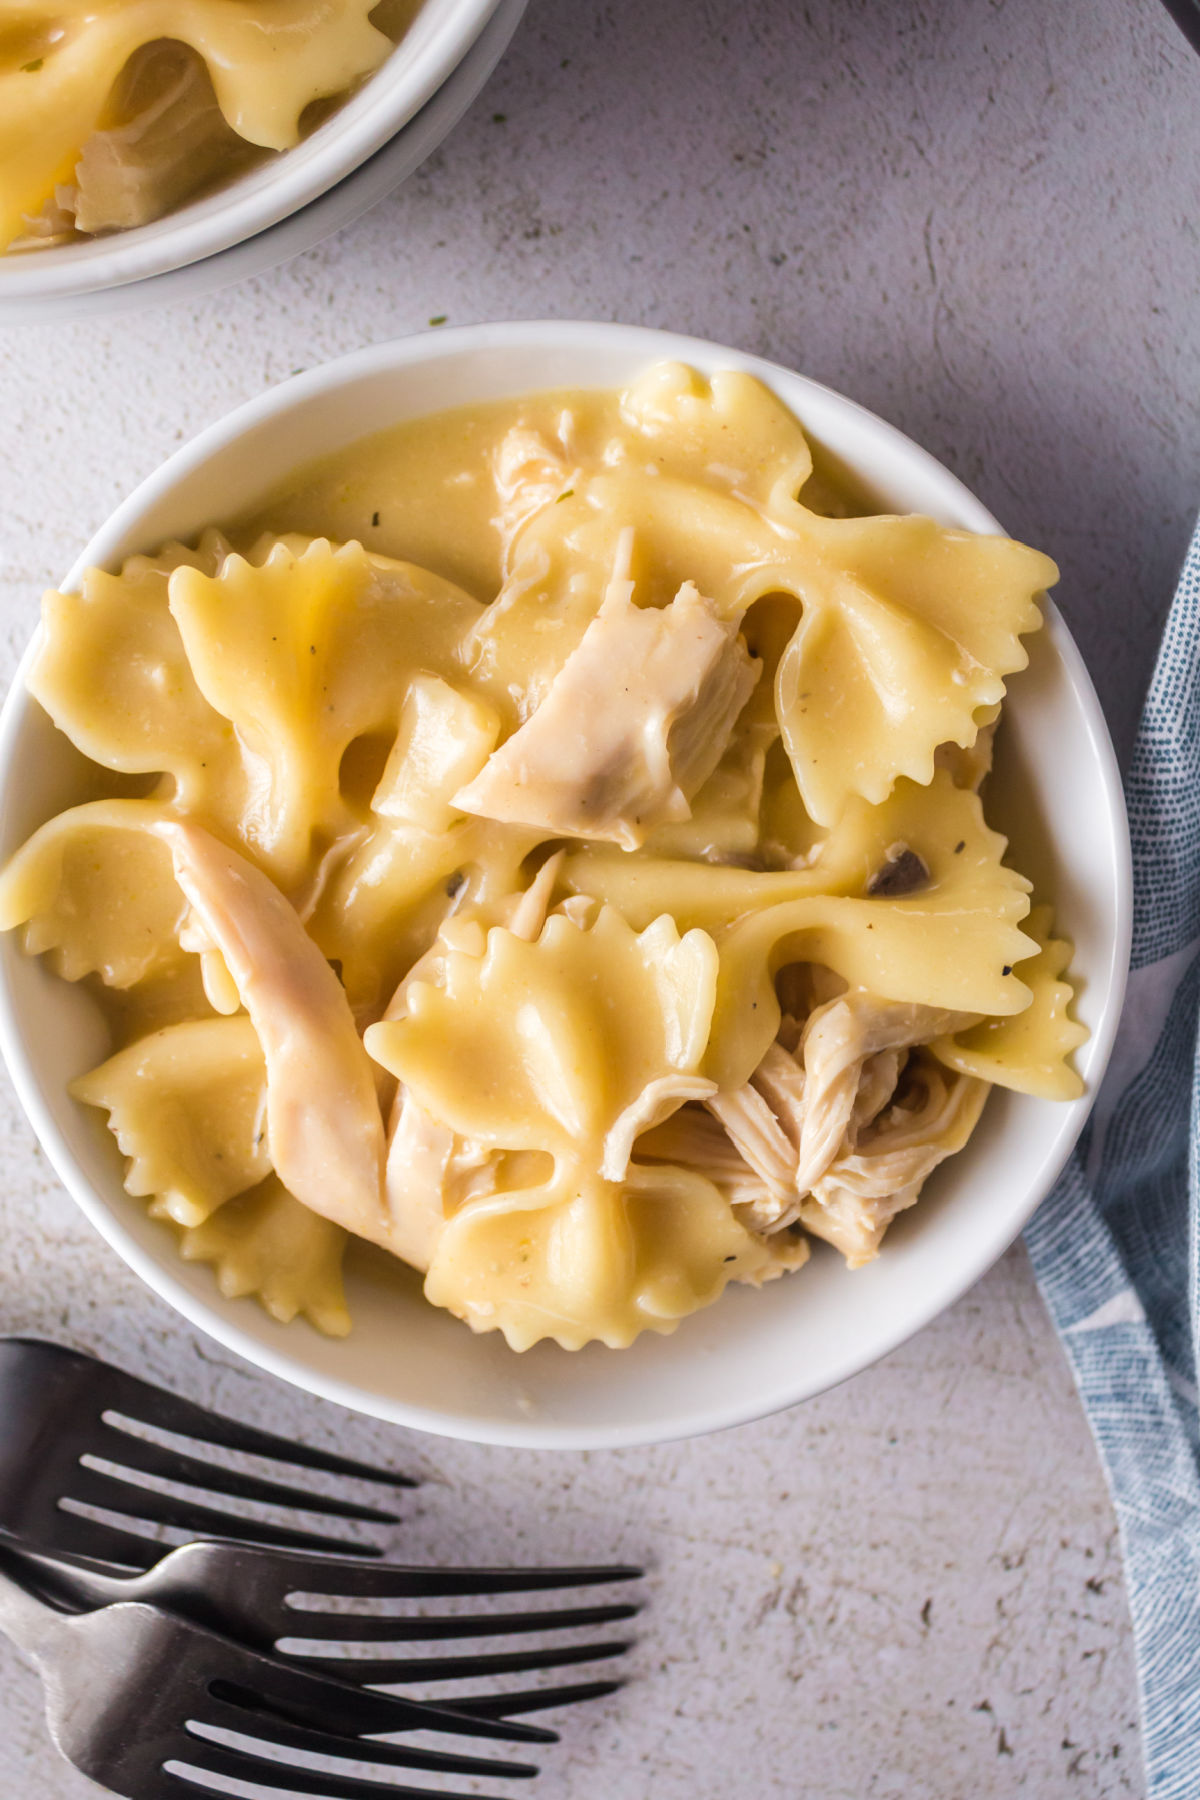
(133, 1694)
(250, 1594)
(63, 1412)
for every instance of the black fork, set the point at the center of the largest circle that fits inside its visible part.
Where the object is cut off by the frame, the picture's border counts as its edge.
(63, 1412)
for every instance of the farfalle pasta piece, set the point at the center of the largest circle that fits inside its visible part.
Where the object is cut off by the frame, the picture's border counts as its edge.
(635, 721)
(563, 1035)
(578, 1040)
(908, 632)
(266, 1244)
(112, 672)
(187, 1106)
(384, 900)
(94, 893)
(444, 739)
(729, 429)
(954, 942)
(60, 59)
(324, 1129)
(1027, 1051)
(304, 652)
(602, 1264)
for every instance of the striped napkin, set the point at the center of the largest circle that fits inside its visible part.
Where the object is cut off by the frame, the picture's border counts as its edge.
(1115, 1246)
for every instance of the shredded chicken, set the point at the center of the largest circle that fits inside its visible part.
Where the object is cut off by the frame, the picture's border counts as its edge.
(633, 724)
(854, 1202)
(817, 1090)
(694, 1139)
(838, 1039)
(761, 1140)
(656, 1102)
(801, 988)
(324, 1128)
(530, 474)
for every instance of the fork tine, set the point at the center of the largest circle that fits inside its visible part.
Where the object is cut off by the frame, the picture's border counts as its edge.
(235, 1765)
(374, 1672)
(387, 1581)
(96, 1487)
(141, 1400)
(493, 1706)
(171, 1465)
(269, 1685)
(362, 1628)
(276, 1732)
(74, 1534)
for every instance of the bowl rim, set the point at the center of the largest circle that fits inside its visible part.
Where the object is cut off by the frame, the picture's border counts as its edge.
(440, 35)
(118, 537)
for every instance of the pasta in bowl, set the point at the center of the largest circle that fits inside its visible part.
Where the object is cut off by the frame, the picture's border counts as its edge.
(545, 844)
(138, 137)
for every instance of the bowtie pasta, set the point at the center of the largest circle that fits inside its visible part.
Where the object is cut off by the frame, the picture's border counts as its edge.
(115, 112)
(591, 911)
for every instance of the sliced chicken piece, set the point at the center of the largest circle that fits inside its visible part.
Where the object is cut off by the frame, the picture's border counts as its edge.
(816, 1089)
(633, 724)
(876, 1085)
(780, 1080)
(324, 1127)
(801, 988)
(853, 1204)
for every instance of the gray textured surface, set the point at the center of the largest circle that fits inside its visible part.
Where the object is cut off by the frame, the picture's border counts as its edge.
(979, 219)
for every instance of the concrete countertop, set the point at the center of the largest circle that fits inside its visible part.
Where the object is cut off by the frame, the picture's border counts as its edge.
(980, 220)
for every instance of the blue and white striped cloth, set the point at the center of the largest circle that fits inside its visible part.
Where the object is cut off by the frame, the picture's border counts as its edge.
(1115, 1246)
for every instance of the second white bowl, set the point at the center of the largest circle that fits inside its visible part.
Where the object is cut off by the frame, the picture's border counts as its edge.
(74, 278)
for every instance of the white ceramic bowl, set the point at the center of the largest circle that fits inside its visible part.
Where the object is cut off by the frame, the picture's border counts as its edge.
(440, 37)
(369, 183)
(1056, 790)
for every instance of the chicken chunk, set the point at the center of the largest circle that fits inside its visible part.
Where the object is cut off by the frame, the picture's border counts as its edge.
(633, 724)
